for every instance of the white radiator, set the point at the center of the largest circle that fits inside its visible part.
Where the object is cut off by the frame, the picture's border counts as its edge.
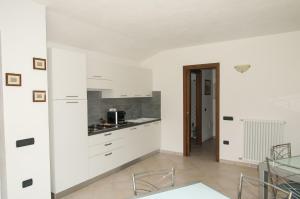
(259, 137)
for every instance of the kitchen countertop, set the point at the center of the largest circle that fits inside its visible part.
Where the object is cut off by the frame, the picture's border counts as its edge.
(130, 124)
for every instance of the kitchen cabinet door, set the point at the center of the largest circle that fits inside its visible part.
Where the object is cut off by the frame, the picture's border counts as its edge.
(144, 86)
(150, 136)
(147, 139)
(156, 139)
(99, 84)
(67, 74)
(100, 74)
(69, 143)
(106, 161)
(99, 68)
(135, 143)
(130, 82)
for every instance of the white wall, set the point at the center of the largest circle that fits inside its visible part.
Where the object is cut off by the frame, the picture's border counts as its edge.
(23, 36)
(207, 107)
(269, 90)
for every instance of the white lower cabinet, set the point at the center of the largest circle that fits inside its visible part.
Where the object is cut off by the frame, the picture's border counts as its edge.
(106, 161)
(155, 139)
(150, 137)
(69, 162)
(113, 149)
(135, 146)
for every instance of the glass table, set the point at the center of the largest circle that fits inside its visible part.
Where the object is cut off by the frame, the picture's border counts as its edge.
(286, 166)
(292, 163)
(194, 191)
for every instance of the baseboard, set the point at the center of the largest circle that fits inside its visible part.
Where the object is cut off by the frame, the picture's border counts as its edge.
(97, 178)
(171, 152)
(245, 164)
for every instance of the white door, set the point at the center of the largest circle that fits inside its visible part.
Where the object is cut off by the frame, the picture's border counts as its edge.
(69, 144)
(67, 73)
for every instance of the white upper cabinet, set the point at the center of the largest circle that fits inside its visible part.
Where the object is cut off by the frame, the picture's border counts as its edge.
(99, 74)
(130, 82)
(67, 74)
(117, 79)
(144, 82)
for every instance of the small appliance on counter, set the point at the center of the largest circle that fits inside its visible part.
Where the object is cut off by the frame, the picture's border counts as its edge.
(116, 117)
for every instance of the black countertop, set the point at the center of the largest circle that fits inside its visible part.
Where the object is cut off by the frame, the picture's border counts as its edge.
(130, 124)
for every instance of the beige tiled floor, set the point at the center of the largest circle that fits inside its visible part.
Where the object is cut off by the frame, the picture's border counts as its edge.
(199, 167)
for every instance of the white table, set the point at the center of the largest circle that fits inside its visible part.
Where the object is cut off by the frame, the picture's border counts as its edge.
(194, 191)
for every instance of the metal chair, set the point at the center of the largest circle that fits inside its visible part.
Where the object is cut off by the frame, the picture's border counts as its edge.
(281, 151)
(150, 181)
(282, 179)
(249, 189)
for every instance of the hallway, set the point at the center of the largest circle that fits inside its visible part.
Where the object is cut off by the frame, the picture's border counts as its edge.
(205, 151)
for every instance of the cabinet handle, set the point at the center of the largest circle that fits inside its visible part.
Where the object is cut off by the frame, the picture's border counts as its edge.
(108, 154)
(148, 95)
(97, 76)
(72, 102)
(145, 125)
(107, 134)
(137, 95)
(123, 95)
(72, 96)
(133, 129)
(108, 144)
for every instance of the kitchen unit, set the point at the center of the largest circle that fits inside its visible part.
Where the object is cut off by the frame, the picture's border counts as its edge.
(113, 147)
(68, 118)
(79, 153)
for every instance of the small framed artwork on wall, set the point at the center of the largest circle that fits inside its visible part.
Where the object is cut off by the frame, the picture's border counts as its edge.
(39, 63)
(207, 87)
(39, 96)
(13, 79)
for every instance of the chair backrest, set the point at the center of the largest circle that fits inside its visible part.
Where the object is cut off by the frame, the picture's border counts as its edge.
(249, 188)
(279, 177)
(150, 181)
(281, 151)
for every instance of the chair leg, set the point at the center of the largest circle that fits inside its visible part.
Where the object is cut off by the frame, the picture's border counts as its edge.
(240, 187)
(133, 184)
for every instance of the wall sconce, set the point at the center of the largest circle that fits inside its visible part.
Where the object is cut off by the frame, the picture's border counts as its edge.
(242, 68)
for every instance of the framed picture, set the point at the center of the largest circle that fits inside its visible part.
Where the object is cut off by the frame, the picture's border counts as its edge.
(39, 63)
(13, 79)
(39, 96)
(207, 87)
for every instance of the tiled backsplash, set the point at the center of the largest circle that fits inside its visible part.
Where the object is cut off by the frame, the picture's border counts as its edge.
(134, 107)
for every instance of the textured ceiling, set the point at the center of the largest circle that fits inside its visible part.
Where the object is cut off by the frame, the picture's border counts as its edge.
(137, 29)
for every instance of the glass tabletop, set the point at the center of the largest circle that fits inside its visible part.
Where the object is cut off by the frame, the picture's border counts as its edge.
(194, 191)
(293, 162)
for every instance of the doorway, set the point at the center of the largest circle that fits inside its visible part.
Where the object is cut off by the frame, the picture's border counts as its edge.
(201, 108)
